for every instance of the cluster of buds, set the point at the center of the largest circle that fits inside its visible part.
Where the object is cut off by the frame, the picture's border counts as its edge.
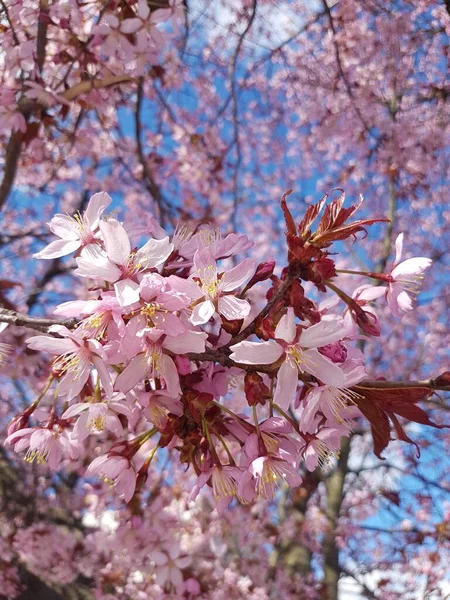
(171, 352)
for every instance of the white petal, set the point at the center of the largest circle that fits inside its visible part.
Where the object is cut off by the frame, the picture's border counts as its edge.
(96, 207)
(190, 341)
(233, 308)
(155, 252)
(412, 266)
(127, 292)
(58, 248)
(202, 313)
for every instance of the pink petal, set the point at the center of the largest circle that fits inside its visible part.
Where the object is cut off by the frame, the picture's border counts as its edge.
(96, 206)
(287, 379)
(97, 265)
(131, 25)
(190, 341)
(233, 308)
(322, 368)
(256, 353)
(75, 410)
(50, 344)
(286, 328)
(126, 484)
(205, 265)
(58, 248)
(238, 275)
(170, 375)
(104, 374)
(321, 334)
(185, 286)
(132, 374)
(117, 243)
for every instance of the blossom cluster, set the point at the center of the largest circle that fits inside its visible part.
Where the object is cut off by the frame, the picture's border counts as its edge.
(170, 331)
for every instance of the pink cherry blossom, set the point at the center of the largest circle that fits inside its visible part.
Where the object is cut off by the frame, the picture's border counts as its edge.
(96, 417)
(300, 354)
(405, 280)
(78, 231)
(208, 290)
(118, 470)
(75, 359)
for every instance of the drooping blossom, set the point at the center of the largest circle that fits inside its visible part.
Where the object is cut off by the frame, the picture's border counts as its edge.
(96, 417)
(117, 470)
(43, 445)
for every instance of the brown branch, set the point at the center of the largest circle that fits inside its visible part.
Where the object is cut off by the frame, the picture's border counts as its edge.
(13, 31)
(37, 323)
(149, 181)
(41, 39)
(94, 84)
(341, 70)
(235, 114)
(334, 487)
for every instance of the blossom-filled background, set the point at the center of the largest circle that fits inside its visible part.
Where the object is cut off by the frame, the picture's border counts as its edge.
(224, 299)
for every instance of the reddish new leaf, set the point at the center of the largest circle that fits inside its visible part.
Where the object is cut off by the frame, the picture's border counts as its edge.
(379, 405)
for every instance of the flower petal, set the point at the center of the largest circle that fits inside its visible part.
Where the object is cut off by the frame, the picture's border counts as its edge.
(287, 379)
(322, 368)
(286, 329)
(96, 206)
(202, 313)
(323, 333)
(233, 308)
(238, 275)
(58, 248)
(117, 243)
(256, 353)
(132, 374)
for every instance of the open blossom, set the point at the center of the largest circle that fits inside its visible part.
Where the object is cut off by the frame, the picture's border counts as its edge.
(43, 445)
(154, 363)
(117, 470)
(300, 354)
(265, 475)
(121, 265)
(208, 289)
(322, 447)
(76, 357)
(77, 231)
(100, 317)
(96, 417)
(405, 280)
(168, 565)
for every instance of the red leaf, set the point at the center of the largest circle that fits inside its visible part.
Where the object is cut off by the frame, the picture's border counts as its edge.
(290, 225)
(379, 405)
